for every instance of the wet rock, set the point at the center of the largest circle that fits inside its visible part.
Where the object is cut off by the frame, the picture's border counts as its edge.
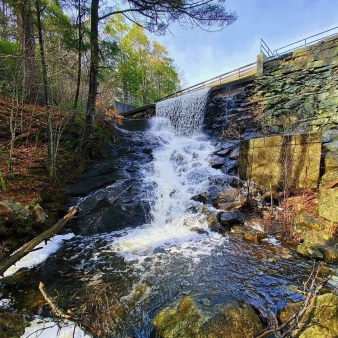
(199, 230)
(193, 206)
(303, 219)
(217, 162)
(228, 219)
(224, 180)
(219, 196)
(11, 325)
(310, 250)
(215, 226)
(229, 166)
(234, 154)
(39, 216)
(207, 315)
(238, 230)
(255, 236)
(229, 195)
(320, 320)
(202, 197)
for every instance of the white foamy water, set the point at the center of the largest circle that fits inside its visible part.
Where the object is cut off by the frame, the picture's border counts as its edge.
(48, 328)
(36, 257)
(180, 170)
(185, 112)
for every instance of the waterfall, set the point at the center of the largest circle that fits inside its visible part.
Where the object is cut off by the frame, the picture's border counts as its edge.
(185, 113)
(180, 170)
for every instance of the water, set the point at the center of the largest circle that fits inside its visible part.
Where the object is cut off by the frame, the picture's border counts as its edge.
(151, 265)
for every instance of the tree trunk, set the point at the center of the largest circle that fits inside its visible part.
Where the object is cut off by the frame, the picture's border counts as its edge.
(79, 57)
(24, 13)
(94, 68)
(27, 248)
(46, 91)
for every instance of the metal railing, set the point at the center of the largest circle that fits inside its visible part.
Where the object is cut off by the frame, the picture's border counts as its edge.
(298, 44)
(235, 74)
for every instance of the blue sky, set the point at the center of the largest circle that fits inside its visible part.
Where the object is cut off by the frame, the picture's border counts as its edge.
(203, 55)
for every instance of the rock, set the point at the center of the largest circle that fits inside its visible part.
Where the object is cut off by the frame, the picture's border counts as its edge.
(229, 206)
(202, 197)
(223, 152)
(314, 236)
(331, 160)
(229, 166)
(310, 250)
(303, 219)
(320, 320)
(11, 325)
(229, 195)
(17, 208)
(199, 230)
(329, 176)
(330, 255)
(214, 225)
(193, 207)
(207, 315)
(218, 195)
(328, 202)
(228, 219)
(254, 236)
(237, 229)
(331, 168)
(217, 162)
(38, 214)
(331, 146)
(234, 154)
(255, 223)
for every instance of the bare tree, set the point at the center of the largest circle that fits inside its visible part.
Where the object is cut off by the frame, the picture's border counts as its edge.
(155, 16)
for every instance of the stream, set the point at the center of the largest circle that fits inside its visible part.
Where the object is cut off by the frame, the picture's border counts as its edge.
(141, 243)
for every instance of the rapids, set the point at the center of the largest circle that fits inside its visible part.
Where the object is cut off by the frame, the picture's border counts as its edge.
(152, 257)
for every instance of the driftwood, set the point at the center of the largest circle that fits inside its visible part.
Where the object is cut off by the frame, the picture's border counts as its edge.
(28, 247)
(69, 315)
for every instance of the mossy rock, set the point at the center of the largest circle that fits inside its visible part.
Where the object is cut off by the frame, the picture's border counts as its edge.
(303, 219)
(310, 250)
(11, 325)
(320, 321)
(209, 315)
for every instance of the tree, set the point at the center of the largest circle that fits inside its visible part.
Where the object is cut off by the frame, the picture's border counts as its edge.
(144, 72)
(155, 16)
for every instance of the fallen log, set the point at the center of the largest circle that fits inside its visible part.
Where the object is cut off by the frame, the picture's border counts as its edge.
(28, 247)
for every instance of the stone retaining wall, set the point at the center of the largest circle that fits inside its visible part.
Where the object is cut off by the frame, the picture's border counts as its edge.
(298, 91)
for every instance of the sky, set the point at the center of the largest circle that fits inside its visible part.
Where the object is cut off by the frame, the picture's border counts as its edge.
(201, 55)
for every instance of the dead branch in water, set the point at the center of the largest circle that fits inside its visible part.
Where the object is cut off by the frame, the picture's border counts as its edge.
(28, 247)
(294, 321)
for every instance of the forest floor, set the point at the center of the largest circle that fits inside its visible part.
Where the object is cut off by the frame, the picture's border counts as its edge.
(25, 179)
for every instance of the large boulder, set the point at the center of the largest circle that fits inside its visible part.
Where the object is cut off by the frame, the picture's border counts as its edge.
(228, 219)
(321, 320)
(207, 315)
(308, 228)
